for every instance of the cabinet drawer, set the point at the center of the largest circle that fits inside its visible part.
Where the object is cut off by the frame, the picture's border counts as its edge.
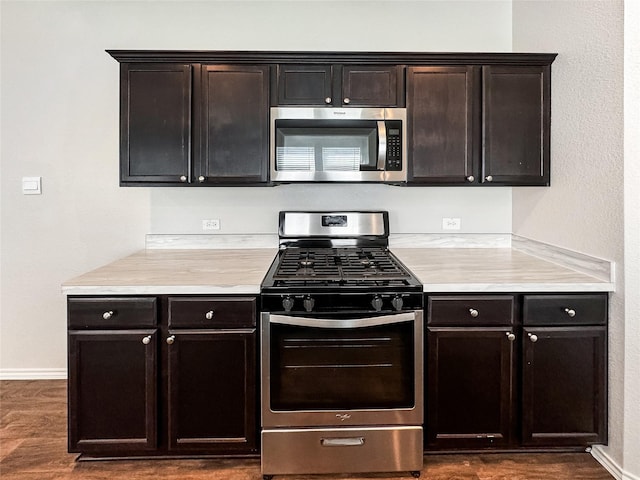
(470, 310)
(590, 309)
(112, 312)
(223, 312)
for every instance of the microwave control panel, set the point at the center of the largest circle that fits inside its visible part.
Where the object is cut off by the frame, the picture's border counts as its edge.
(394, 145)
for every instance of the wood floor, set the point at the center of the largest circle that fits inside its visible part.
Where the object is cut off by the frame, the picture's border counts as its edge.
(33, 447)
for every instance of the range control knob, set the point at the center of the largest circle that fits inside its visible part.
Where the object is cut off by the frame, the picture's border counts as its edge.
(397, 302)
(308, 303)
(376, 303)
(287, 304)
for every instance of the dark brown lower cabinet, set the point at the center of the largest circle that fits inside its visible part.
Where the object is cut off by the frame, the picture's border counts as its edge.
(212, 390)
(470, 385)
(112, 391)
(538, 382)
(564, 386)
(186, 386)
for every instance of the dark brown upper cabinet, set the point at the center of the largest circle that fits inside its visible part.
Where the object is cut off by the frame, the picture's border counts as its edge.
(516, 121)
(479, 125)
(234, 124)
(155, 122)
(443, 131)
(340, 85)
(194, 124)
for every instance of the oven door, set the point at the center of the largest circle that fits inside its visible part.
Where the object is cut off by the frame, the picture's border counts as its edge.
(342, 370)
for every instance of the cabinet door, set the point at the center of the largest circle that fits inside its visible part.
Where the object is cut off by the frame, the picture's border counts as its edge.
(155, 123)
(112, 391)
(305, 84)
(442, 124)
(469, 387)
(234, 126)
(212, 391)
(564, 386)
(372, 86)
(516, 123)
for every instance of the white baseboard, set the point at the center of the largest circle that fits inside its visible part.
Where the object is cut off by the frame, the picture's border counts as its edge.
(33, 374)
(611, 465)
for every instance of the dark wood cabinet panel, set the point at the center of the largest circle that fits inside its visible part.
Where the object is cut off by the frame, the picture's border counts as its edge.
(212, 312)
(111, 312)
(516, 110)
(212, 391)
(234, 127)
(469, 387)
(471, 310)
(442, 124)
(112, 391)
(564, 386)
(565, 309)
(155, 122)
(305, 84)
(340, 85)
(371, 86)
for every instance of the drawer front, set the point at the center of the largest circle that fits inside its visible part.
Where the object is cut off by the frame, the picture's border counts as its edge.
(212, 312)
(470, 310)
(112, 312)
(579, 309)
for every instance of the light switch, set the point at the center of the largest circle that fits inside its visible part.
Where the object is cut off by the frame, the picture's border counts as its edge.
(31, 185)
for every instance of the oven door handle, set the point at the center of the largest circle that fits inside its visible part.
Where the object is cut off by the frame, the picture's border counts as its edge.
(346, 323)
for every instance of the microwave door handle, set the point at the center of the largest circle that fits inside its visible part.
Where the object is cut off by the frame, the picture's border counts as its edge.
(345, 323)
(382, 145)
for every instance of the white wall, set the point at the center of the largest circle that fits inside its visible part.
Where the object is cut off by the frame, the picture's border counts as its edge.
(631, 450)
(60, 121)
(587, 165)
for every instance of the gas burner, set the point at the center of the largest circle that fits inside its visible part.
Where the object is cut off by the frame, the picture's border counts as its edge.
(306, 263)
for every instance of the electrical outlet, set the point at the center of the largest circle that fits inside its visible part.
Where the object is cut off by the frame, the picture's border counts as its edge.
(213, 224)
(450, 223)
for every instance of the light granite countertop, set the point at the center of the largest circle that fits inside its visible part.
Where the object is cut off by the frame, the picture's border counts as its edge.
(240, 271)
(493, 270)
(157, 272)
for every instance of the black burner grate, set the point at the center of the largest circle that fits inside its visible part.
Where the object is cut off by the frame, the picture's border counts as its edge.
(353, 265)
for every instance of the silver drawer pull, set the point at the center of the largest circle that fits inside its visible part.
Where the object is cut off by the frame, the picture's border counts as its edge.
(209, 315)
(473, 312)
(342, 442)
(108, 315)
(570, 311)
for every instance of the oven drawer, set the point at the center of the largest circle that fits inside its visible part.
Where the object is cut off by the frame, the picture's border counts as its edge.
(212, 312)
(341, 450)
(112, 312)
(470, 310)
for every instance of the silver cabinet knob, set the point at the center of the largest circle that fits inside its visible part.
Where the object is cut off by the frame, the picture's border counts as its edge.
(489, 178)
(510, 336)
(473, 312)
(470, 178)
(183, 178)
(533, 337)
(209, 315)
(171, 339)
(346, 101)
(201, 178)
(327, 100)
(108, 315)
(570, 311)
(147, 340)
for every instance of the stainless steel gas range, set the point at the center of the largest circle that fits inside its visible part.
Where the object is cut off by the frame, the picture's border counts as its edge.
(342, 350)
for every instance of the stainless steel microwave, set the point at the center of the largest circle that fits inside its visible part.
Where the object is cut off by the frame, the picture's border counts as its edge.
(323, 144)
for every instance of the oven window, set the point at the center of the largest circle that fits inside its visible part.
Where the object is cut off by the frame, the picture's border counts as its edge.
(329, 369)
(326, 149)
